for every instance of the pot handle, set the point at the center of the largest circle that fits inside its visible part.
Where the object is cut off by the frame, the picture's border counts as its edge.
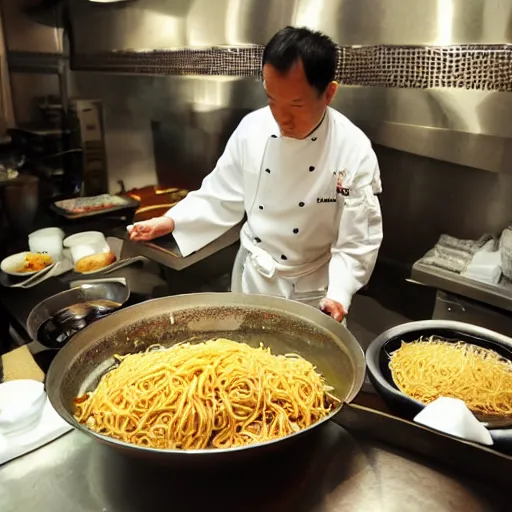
(502, 439)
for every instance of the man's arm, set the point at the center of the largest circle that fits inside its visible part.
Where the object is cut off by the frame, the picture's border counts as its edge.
(218, 205)
(355, 250)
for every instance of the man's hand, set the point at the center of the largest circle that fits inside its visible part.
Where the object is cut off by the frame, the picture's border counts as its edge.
(335, 309)
(150, 229)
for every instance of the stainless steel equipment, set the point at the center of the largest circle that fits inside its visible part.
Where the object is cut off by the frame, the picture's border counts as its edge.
(282, 325)
(66, 313)
(334, 470)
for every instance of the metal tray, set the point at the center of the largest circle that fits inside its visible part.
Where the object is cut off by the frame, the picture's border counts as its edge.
(471, 458)
(130, 204)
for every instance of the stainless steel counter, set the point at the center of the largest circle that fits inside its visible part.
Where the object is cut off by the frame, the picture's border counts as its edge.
(331, 470)
(499, 295)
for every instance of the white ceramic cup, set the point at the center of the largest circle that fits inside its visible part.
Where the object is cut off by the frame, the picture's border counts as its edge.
(47, 240)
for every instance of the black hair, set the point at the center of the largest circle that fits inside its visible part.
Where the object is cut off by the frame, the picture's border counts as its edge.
(317, 52)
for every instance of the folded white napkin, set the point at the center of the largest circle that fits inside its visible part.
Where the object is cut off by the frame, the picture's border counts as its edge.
(452, 416)
(27, 419)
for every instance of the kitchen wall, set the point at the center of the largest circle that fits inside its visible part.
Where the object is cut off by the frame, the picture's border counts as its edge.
(443, 143)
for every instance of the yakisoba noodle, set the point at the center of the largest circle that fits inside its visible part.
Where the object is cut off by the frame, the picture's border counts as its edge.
(428, 369)
(217, 394)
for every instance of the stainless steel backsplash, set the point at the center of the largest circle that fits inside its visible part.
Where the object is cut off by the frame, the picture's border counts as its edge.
(427, 80)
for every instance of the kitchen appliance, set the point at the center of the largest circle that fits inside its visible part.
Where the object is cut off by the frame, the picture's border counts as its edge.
(67, 152)
(88, 133)
(283, 326)
(49, 154)
(378, 353)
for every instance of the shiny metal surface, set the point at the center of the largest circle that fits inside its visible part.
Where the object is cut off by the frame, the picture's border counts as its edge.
(471, 127)
(449, 306)
(170, 256)
(424, 197)
(483, 152)
(331, 471)
(38, 33)
(499, 295)
(157, 24)
(284, 326)
(92, 291)
(464, 127)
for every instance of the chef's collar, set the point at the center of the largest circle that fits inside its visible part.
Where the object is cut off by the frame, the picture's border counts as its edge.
(312, 136)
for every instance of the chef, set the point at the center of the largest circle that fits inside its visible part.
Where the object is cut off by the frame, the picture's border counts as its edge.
(307, 179)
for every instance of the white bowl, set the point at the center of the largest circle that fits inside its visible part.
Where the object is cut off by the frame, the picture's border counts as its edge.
(11, 264)
(21, 404)
(86, 244)
(47, 240)
(84, 237)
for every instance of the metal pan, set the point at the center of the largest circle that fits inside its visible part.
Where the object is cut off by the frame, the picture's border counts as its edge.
(284, 326)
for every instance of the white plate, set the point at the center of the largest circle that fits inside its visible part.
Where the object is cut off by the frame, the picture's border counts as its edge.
(11, 263)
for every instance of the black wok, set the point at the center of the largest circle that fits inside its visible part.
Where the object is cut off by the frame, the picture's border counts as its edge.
(284, 326)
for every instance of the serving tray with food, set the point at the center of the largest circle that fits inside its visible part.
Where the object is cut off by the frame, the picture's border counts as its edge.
(26, 263)
(50, 256)
(79, 207)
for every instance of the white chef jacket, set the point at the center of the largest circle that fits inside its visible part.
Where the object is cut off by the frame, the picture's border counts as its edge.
(314, 223)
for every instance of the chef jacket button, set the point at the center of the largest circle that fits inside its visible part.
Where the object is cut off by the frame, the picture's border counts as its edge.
(283, 257)
(314, 139)
(311, 169)
(257, 240)
(301, 204)
(274, 136)
(267, 170)
(296, 230)
(260, 207)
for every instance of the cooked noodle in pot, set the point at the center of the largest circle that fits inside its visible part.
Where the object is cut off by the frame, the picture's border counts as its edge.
(216, 394)
(428, 369)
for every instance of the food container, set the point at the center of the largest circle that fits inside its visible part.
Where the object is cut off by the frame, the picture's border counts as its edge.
(86, 244)
(47, 240)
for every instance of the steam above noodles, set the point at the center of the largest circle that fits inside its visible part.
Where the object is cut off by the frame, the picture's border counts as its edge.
(428, 369)
(217, 394)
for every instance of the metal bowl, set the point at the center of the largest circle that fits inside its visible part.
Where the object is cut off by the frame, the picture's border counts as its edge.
(378, 357)
(87, 291)
(284, 326)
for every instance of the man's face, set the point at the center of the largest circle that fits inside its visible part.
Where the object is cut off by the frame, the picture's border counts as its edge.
(296, 106)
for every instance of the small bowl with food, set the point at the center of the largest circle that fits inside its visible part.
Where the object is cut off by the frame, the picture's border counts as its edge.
(25, 264)
(412, 365)
(90, 252)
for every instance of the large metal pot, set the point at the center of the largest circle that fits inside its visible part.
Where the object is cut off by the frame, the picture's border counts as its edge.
(282, 325)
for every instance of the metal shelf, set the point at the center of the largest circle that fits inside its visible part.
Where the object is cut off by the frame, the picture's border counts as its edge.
(499, 295)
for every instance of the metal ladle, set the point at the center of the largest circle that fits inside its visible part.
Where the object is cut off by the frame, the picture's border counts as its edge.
(77, 315)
